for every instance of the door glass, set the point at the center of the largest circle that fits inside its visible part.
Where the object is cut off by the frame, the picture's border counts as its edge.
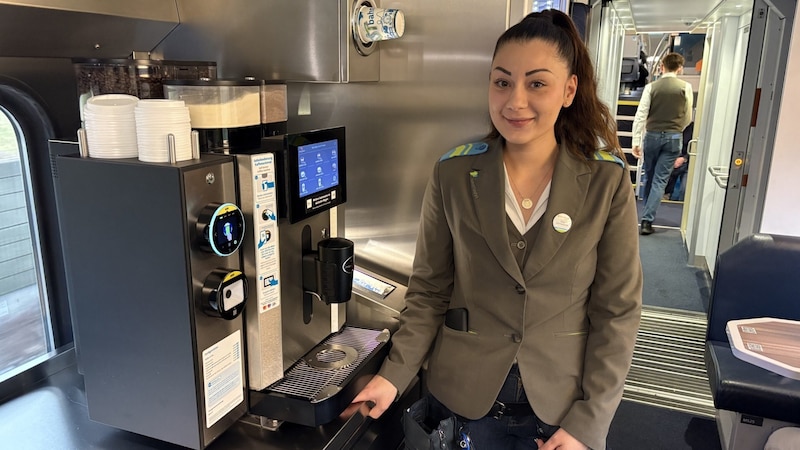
(24, 335)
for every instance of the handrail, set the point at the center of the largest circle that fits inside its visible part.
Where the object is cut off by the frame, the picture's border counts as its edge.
(689, 147)
(720, 174)
(717, 170)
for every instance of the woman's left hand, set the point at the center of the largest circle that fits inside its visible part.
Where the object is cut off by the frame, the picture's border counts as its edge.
(561, 440)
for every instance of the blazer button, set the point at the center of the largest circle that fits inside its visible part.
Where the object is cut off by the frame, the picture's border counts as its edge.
(521, 245)
(520, 289)
(516, 338)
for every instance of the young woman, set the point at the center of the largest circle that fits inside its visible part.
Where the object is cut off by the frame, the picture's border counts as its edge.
(526, 288)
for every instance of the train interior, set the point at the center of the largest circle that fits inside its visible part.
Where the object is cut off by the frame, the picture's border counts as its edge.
(725, 232)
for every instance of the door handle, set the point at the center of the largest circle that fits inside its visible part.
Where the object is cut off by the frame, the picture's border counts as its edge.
(689, 147)
(716, 171)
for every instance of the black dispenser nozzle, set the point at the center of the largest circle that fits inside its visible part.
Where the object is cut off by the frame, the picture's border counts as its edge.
(329, 272)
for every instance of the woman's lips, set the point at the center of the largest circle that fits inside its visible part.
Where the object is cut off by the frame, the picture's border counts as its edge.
(518, 122)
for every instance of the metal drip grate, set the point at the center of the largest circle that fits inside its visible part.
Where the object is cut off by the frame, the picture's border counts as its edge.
(668, 362)
(343, 352)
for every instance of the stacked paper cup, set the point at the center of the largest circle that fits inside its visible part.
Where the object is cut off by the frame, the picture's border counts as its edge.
(156, 119)
(110, 125)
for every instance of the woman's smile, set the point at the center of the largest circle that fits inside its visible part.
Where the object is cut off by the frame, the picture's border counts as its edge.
(518, 123)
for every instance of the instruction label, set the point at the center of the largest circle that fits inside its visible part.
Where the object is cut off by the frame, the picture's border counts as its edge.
(265, 223)
(223, 379)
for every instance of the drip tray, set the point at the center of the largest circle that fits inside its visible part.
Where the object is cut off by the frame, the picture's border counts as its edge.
(319, 386)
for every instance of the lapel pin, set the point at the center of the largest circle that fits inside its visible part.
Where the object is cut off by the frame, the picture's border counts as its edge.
(562, 222)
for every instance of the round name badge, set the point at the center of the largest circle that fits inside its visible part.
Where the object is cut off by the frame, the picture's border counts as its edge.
(562, 222)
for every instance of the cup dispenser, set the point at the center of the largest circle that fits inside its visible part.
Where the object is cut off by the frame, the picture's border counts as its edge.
(158, 291)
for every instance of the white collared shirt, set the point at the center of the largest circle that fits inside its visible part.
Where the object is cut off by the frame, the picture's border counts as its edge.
(643, 109)
(515, 212)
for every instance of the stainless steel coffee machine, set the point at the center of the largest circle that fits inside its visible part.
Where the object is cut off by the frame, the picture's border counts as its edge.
(305, 364)
(207, 289)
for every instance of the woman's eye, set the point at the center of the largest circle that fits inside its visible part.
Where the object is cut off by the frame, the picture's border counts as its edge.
(537, 84)
(501, 83)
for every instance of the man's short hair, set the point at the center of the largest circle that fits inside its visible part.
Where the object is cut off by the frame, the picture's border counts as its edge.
(673, 61)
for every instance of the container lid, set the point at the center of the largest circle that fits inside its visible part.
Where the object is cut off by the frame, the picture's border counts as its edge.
(214, 82)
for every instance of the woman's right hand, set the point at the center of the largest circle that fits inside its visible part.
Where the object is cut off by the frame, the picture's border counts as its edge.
(378, 391)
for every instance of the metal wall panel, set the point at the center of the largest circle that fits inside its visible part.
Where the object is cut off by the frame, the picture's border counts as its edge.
(275, 39)
(432, 96)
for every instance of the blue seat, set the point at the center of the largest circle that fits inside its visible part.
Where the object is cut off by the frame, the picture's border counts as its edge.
(757, 277)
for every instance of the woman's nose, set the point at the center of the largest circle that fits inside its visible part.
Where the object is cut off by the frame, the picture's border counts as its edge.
(517, 98)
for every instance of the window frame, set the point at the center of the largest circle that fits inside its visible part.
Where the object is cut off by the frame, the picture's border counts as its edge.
(35, 129)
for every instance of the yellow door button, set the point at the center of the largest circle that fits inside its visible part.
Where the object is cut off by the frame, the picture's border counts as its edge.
(738, 161)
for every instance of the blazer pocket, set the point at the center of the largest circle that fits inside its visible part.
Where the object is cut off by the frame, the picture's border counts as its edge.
(448, 331)
(566, 334)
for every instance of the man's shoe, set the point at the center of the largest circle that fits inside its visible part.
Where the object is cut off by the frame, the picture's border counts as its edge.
(647, 228)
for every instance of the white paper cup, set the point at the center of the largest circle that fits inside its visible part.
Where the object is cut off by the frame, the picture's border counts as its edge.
(378, 24)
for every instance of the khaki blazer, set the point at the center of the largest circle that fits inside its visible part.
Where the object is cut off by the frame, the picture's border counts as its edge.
(569, 317)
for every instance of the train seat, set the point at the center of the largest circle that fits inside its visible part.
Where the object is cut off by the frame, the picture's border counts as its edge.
(754, 278)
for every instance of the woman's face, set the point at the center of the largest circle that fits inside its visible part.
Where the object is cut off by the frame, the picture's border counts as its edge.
(529, 84)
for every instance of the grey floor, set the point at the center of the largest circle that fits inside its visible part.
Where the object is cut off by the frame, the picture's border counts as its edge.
(669, 282)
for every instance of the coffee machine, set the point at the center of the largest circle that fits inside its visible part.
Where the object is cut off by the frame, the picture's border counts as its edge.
(212, 289)
(304, 363)
(310, 370)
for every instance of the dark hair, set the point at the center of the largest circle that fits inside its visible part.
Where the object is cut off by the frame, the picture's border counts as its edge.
(673, 61)
(587, 125)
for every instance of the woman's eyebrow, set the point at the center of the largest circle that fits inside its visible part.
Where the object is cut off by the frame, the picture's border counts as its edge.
(527, 74)
(531, 72)
(505, 71)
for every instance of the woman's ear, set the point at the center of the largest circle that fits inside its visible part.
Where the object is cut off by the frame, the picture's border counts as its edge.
(570, 90)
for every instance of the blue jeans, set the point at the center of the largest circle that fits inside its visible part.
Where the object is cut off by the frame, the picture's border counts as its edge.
(679, 191)
(661, 149)
(512, 433)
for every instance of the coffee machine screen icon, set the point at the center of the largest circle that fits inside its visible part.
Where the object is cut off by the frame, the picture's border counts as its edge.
(221, 227)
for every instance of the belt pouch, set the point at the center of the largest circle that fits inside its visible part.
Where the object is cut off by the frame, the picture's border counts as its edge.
(428, 428)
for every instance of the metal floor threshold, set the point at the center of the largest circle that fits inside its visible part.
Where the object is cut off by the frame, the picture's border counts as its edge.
(668, 365)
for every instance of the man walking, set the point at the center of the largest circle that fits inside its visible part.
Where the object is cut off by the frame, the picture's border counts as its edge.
(664, 110)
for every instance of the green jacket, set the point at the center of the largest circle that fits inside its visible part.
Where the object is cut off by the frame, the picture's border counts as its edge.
(569, 317)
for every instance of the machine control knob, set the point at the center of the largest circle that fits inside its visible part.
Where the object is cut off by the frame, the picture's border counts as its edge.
(221, 228)
(225, 293)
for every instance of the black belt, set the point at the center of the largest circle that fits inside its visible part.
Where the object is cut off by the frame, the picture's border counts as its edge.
(500, 410)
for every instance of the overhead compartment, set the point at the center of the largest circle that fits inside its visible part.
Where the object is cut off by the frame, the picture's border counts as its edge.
(83, 28)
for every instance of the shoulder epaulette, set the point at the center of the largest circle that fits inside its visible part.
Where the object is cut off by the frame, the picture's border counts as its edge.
(606, 156)
(473, 148)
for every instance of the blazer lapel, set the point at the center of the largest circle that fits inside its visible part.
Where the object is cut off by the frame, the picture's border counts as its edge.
(488, 193)
(568, 192)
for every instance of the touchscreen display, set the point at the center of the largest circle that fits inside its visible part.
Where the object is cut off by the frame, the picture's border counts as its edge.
(318, 167)
(227, 230)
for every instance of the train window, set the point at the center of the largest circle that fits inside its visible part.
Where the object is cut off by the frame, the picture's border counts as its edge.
(691, 46)
(25, 330)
